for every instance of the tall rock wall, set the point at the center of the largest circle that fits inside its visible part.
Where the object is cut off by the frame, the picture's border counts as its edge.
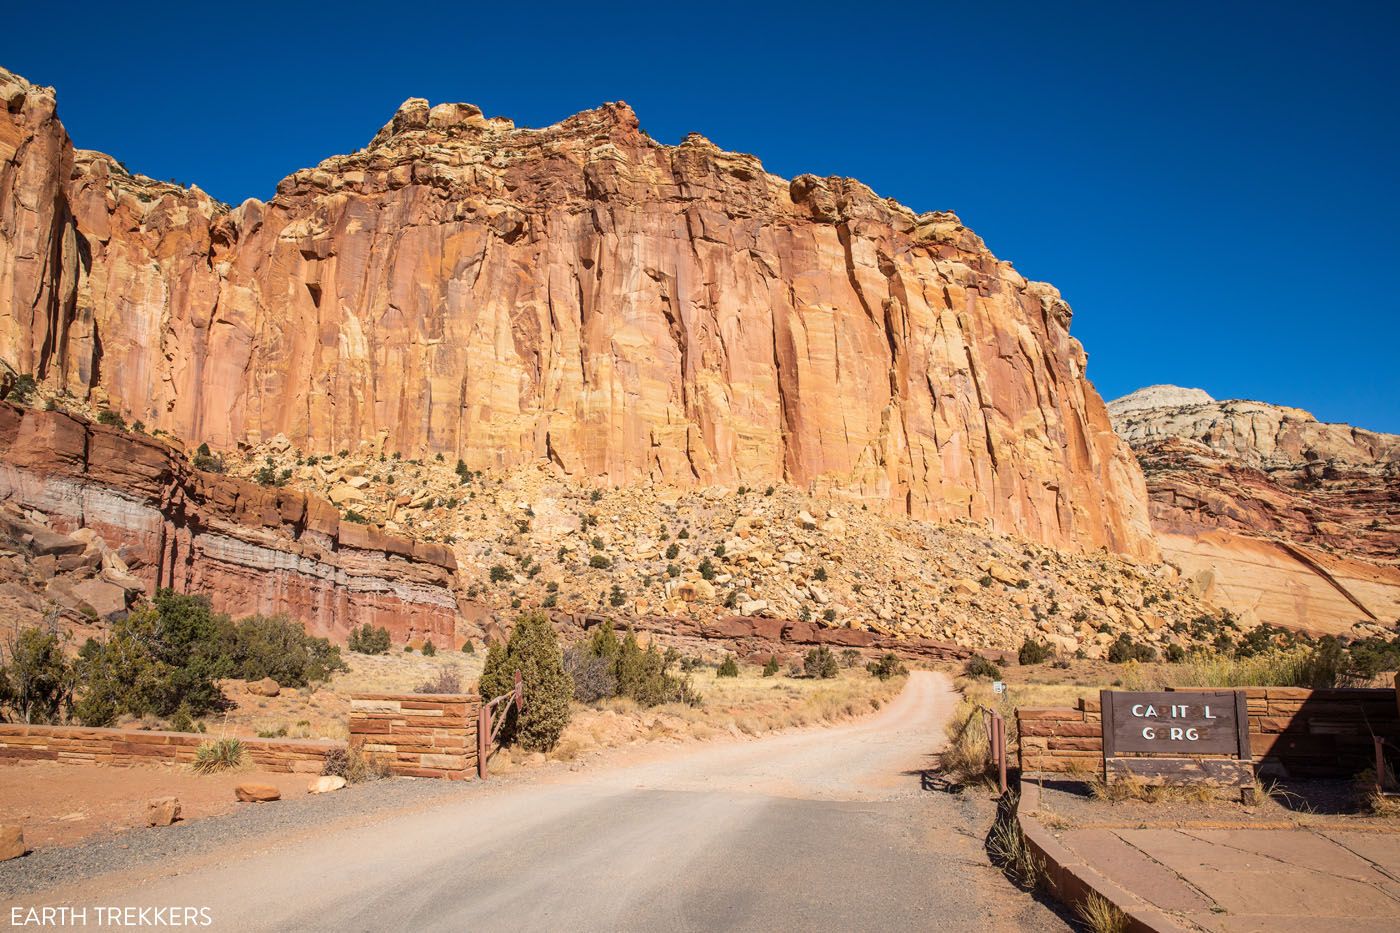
(629, 310)
(248, 548)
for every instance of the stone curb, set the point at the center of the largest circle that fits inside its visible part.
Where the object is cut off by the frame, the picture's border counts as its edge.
(1071, 881)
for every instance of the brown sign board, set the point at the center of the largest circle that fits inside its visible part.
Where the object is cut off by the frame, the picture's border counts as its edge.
(1177, 738)
(1187, 723)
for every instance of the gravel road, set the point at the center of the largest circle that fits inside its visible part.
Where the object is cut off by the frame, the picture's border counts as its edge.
(816, 829)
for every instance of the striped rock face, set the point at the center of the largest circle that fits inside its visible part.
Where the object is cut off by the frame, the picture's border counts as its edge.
(628, 310)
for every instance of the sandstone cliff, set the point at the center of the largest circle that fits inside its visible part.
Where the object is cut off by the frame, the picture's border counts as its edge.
(1278, 515)
(580, 294)
(248, 548)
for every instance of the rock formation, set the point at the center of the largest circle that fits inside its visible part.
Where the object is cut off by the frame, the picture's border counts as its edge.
(250, 549)
(1276, 514)
(581, 294)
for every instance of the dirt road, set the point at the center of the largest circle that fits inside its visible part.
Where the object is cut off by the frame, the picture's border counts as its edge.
(822, 829)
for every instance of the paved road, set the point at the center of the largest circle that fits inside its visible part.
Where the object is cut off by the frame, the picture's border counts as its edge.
(822, 829)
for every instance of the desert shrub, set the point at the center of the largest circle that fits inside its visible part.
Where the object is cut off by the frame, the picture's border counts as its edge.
(980, 668)
(966, 757)
(499, 574)
(469, 647)
(888, 666)
(355, 764)
(24, 388)
(182, 721)
(276, 647)
(599, 562)
(369, 639)
(673, 551)
(594, 676)
(820, 662)
(446, 681)
(850, 657)
(37, 680)
(617, 596)
(219, 755)
(533, 649)
(1033, 652)
(429, 649)
(707, 569)
(1009, 850)
(644, 676)
(820, 573)
(1125, 649)
(109, 417)
(1175, 653)
(771, 667)
(208, 462)
(729, 667)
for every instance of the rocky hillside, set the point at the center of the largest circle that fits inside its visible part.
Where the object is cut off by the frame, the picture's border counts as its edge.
(580, 294)
(1276, 514)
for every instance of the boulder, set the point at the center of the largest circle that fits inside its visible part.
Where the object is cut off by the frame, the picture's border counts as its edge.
(267, 687)
(11, 842)
(162, 811)
(257, 793)
(325, 784)
(107, 600)
(43, 541)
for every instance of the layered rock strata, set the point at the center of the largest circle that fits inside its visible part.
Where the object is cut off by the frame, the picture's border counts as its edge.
(1276, 514)
(580, 293)
(249, 548)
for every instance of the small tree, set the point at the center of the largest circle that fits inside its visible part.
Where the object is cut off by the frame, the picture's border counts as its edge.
(429, 649)
(888, 666)
(729, 667)
(37, 684)
(820, 662)
(369, 639)
(771, 667)
(533, 649)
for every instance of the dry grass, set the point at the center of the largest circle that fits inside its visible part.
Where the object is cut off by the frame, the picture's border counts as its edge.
(749, 704)
(1131, 787)
(1009, 851)
(1100, 915)
(967, 754)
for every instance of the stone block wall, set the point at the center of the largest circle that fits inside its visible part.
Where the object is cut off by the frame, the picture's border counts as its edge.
(1293, 731)
(126, 747)
(421, 734)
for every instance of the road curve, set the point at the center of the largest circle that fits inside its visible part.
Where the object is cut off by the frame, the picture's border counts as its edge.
(823, 829)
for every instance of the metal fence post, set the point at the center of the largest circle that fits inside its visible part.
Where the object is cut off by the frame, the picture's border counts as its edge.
(483, 738)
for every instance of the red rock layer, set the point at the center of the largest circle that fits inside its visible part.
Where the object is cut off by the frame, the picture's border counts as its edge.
(250, 549)
(582, 293)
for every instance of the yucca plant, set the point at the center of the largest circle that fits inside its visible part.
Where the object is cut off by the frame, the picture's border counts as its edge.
(220, 755)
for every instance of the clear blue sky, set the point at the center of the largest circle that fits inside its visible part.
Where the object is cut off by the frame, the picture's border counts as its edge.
(1212, 186)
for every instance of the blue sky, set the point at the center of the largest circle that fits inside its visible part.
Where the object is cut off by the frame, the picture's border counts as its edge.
(1213, 187)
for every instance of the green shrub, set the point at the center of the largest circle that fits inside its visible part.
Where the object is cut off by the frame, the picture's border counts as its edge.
(276, 647)
(888, 666)
(469, 647)
(673, 551)
(429, 649)
(729, 667)
(369, 639)
(109, 417)
(771, 667)
(1124, 649)
(1033, 652)
(599, 562)
(617, 597)
(829, 615)
(352, 516)
(499, 574)
(37, 680)
(820, 662)
(533, 649)
(24, 388)
(220, 755)
(850, 657)
(979, 668)
(707, 569)
(820, 573)
(1176, 654)
(644, 676)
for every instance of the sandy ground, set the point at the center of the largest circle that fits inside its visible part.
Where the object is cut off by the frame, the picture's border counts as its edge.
(812, 829)
(58, 804)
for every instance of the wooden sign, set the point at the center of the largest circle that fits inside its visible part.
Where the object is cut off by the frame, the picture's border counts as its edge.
(1177, 738)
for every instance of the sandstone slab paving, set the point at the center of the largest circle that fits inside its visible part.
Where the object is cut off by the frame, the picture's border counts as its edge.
(1231, 879)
